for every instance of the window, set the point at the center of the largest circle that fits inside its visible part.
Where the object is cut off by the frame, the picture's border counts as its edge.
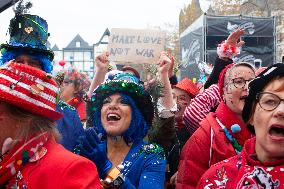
(78, 44)
(78, 56)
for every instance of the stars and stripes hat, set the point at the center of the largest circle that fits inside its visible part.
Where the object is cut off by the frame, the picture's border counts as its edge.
(29, 88)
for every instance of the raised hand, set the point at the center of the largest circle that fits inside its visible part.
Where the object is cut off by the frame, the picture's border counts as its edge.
(235, 37)
(164, 63)
(102, 62)
(95, 150)
(171, 69)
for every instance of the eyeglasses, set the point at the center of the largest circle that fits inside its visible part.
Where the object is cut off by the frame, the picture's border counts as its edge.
(268, 101)
(240, 82)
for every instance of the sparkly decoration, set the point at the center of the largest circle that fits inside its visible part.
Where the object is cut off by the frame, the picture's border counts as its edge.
(149, 149)
(128, 84)
(3, 50)
(63, 105)
(29, 30)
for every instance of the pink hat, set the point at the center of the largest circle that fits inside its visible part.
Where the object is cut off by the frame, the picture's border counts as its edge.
(29, 88)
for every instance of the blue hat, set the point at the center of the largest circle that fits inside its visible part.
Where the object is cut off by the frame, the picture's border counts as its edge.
(128, 84)
(30, 33)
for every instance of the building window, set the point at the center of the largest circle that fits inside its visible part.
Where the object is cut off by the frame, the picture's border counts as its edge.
(78, 44)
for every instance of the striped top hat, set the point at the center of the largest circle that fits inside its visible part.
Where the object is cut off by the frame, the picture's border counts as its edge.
(29, 88)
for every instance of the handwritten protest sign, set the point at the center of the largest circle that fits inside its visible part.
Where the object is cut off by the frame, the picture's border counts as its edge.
(135, 46)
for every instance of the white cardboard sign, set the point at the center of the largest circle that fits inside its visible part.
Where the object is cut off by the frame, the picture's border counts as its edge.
(135, 46)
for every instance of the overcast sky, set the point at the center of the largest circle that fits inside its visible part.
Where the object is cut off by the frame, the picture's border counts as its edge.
(90, 18)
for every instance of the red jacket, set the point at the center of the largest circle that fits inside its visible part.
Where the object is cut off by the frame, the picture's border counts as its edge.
(207, 146)
(60, 169)
(244, 171)
(80, 106)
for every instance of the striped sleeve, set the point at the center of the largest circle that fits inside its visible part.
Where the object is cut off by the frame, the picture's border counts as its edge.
(200, 106)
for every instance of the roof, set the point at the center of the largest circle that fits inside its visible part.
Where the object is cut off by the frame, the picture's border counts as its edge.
(106, 33)
(55, 48)
(83, 43)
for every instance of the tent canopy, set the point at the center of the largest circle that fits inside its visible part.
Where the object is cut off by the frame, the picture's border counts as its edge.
(4, 4)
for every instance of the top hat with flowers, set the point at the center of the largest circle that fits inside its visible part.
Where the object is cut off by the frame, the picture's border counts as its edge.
(128, 84)
(29, 88)
(29, 33)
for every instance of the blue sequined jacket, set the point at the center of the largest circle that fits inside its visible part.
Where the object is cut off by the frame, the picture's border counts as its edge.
(70, 126)
(144, 167)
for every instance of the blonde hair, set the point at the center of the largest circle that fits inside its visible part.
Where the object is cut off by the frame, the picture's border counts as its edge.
(30, 123)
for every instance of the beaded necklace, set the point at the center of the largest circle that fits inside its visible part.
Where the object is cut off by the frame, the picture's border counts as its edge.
(237, 147)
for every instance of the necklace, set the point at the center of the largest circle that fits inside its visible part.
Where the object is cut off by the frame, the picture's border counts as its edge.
(237, 147)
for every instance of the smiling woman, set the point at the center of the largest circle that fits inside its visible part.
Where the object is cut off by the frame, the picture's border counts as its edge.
(261, 163)
(123, 113)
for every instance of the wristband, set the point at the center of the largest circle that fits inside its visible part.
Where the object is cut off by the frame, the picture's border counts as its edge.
(227, 51)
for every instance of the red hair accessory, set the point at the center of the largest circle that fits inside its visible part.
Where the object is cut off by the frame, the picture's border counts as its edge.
(222, 78)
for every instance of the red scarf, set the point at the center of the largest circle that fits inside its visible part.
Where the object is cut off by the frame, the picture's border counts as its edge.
(21, 154)
(228, 118)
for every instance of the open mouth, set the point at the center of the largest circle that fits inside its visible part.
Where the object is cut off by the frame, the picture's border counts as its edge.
(113, 117)
(243, 97)
(276, 131)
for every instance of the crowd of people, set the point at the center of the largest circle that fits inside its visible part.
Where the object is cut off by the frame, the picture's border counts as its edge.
(66, 131)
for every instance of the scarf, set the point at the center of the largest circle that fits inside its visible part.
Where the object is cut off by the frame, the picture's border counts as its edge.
(255, 174)
(21, 154)
(229, 118)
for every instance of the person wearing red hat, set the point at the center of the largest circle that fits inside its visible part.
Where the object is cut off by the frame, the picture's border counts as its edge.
(28, 45)
(169, 130)
(30, 156)
(222, 133)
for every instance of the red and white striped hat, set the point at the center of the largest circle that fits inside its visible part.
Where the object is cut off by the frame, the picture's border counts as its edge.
(29, 88)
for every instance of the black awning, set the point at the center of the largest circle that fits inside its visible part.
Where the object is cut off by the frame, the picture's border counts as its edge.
(4, 4)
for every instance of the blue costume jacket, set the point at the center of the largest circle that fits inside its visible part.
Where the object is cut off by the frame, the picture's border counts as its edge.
(70, 126)
(144, 167)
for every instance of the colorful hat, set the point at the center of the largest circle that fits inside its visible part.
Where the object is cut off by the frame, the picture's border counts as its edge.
(29, 88)
(188, 86)
(128, 84)
(78, 78)
(30, 33)
(257, 85)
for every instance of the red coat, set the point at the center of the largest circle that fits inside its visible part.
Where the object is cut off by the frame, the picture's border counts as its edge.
(244, 171)
(60, 169)
(207, 146)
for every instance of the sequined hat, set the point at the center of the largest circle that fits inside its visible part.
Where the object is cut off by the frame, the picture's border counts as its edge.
(128, 84)
(29, 88)
(30, 33)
